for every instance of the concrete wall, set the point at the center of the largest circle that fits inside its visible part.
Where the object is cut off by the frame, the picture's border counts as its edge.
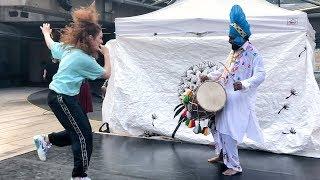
(10, 65)
(315, 22)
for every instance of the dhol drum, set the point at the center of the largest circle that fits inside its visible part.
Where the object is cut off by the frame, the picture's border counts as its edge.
(211, 96)
(208, 98)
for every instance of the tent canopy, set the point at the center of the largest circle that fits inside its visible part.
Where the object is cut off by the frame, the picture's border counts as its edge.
(211, 16)
(147, 70)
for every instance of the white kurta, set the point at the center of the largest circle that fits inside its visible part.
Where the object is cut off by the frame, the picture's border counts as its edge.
(238, 117)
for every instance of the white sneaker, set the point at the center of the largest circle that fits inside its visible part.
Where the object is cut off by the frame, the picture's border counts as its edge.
(42, 147)
(80, 178)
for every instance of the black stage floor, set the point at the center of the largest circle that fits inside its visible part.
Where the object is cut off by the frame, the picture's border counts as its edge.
(116, 157)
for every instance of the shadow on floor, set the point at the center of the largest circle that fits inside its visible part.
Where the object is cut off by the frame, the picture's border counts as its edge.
(40, 99)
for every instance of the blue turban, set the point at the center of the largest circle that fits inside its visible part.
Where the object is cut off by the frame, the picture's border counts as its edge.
(239, 27)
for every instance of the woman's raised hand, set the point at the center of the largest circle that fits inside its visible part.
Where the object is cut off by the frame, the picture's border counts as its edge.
(45, 28)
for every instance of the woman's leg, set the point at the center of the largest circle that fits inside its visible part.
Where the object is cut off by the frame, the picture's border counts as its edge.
(77, 126)
(60, 138)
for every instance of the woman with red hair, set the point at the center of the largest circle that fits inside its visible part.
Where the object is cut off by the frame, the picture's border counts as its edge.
(80, 43)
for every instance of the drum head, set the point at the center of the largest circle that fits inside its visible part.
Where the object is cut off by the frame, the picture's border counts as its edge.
(211, 96)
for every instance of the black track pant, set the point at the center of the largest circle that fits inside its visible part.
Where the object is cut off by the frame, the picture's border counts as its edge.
(77, 131)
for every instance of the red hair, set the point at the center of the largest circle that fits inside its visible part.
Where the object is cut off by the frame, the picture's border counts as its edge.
(84, 25)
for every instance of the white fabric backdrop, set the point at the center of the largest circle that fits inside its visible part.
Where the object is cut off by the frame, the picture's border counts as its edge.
(147, 70)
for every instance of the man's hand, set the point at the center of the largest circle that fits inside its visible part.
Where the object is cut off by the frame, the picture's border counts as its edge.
(237, 86)
(203, 78)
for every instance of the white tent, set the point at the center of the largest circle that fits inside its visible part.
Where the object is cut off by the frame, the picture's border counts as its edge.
(152, 51)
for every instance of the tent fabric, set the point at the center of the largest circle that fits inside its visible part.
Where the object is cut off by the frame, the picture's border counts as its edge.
(146, 70)
(211, 16)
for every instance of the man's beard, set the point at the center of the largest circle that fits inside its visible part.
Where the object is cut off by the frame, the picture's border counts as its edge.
(235, 47)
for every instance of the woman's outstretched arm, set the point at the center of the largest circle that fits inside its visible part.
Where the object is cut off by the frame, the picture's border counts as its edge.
(46, 31)
(107, 65)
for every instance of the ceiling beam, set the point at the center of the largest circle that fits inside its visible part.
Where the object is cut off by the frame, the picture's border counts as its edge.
(138, 3)
(158, 2)
(171, 2)
(53, 13)
(311, 2)
(310, 11)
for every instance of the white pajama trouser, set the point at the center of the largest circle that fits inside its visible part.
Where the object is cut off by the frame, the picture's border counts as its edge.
(229, 149)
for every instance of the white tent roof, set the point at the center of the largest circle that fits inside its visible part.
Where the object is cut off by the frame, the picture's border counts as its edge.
(212, 16)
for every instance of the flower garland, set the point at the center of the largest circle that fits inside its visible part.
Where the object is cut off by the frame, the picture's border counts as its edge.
(190, 112)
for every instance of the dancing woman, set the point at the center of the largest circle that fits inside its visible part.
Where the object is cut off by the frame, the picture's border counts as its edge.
(80, 43)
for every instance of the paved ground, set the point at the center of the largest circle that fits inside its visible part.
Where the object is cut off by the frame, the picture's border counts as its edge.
(21, 120)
